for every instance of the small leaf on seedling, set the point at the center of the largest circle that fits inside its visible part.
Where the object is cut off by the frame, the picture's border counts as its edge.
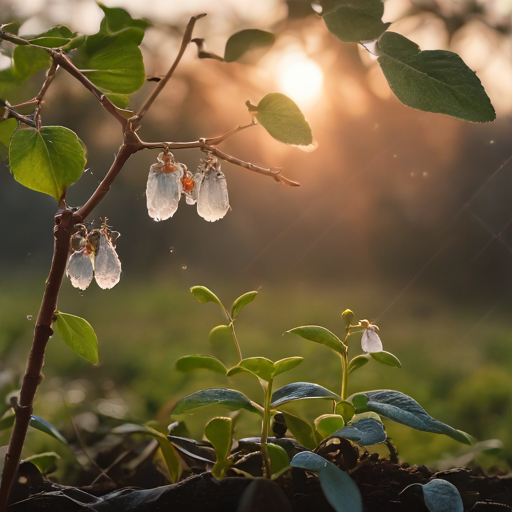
(364, 432)
(44, 461)
(320, 335)
(278, 458)
(218, 431)
(241, 302)
(386, 358)
(241, 42)
(348, 318)
(301, 430)
(300, 391)
(195, 362)
(285, 365)
(283, 120)
(359, 400)
(326, 424)
(259, 366)
(345, 409)
(203, 295)
(46, 427)
(78, 335)
(220, 335)
(357, 362)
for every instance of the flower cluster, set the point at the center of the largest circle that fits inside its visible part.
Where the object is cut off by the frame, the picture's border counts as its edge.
(93, 255)
(168, 180)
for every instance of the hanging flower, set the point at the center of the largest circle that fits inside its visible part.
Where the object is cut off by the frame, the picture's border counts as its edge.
(212, 197)
(370, 341)
(80, 270)
(107, 266)
(164, 187)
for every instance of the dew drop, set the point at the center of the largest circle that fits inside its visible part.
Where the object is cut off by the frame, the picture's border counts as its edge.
(29, 317)
(171, 249)
(183, 267)
(491, 142)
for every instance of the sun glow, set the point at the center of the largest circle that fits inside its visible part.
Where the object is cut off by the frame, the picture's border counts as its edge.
(300, 78)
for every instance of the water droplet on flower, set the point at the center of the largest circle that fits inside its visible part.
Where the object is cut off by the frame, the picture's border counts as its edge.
(29, 317)
(183, 267)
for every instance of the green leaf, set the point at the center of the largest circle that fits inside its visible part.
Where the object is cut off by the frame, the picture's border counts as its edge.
(7, 128)
(113, 62)
(286, 364)
(241, 302)
(338, 488)
(278, 458)
(365, 432)
(117, 19)
(196, 362)
(7, 420)
(46, 427)
(259, 366)
(44, 461)
(357, 362)
(442, 496)
(345, 409)
(203, 295)
(46, 160)
(301, 430)
(241, 42)
(119, 100)
(218, 432)
(434, 80)
(57, 37)
(359, 401)
(320, 335)
(283, 120)
(403, 409)
(233, 400)
(386, 358)
(348, 318)
(326, 424)
(300, 391)
(352, 21)
(78, 335)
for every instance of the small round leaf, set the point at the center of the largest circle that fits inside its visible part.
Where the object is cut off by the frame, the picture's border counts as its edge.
(241, 42)
(78, 335)
(196, 362)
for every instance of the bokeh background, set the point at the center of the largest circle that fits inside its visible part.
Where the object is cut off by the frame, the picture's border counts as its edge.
(403, 216)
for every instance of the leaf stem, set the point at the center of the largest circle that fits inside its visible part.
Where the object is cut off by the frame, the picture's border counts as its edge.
(267, 471)
(344, 376)
(233, 333)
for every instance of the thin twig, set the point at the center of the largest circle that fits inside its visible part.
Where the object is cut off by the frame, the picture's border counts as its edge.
(50, 75)
(217, 140)
(22, 119)
(187, 36)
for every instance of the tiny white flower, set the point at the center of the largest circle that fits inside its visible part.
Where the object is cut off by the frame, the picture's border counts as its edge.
(107, 266)
(212, 196)
(370, 342)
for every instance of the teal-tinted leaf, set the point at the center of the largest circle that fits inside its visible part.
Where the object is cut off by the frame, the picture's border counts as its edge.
(7, 128)
(259, 366)
(348, 318)
(357, 362)
(44, 461)
(48, 160)
(220, 336)
(203, 295)
(241, 302)
(442, 496)
(196, 362)
(7, 420)
(56, 37)
(326, 424)
(283, 120)
(278, 458)
(386, 358)
(241, 42)
(113, 62)
(434, 80)
(46, 427)
(218, 432)
(285, 365)
(117, 19)
(339, 489)
(300, 391)
(233, 400)
(78, 335)
(352, 21)
(365, 432)
(319, 335)
(403, 409)
(301, 430)
(345, 409)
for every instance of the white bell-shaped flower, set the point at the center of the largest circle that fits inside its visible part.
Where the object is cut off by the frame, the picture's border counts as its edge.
(107, 266)
(164, 187)
(212, 197)
(80, 270)
(370, 341)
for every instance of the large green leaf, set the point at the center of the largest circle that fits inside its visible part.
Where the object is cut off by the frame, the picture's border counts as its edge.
(241, 302)
(282, 119)
(241, 42)
(233, 400)
(319, 335)
(433, 80)
(47, 160)
(196, 362)
(354, 20)
(78, 335)
(117, 19)
(365, 432)
(339, 489)
(405, 410)
(300, 391)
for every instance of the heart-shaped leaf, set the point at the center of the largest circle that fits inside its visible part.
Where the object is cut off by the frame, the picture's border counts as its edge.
(365, 432)
(386, 358)
(241, 42)
(196, 362)
(241, 302)
(283, 120)
(300, 391)
(78, 335)
(233, 400)
(433, 80)
(339, 489)
(320, 335)
(203, 295)
(46, 160)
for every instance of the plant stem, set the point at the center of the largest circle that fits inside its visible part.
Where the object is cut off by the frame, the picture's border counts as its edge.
(344, 376)
(231, 323)
(267, 472)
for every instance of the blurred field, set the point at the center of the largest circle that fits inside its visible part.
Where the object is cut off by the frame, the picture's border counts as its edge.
(456, 362)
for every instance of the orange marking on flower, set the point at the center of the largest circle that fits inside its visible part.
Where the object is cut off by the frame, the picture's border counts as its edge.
(188, 184)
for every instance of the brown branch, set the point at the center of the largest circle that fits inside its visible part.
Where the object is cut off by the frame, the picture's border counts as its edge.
(187, 36)
(22, 119)
(217, 140)
(50, 75)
